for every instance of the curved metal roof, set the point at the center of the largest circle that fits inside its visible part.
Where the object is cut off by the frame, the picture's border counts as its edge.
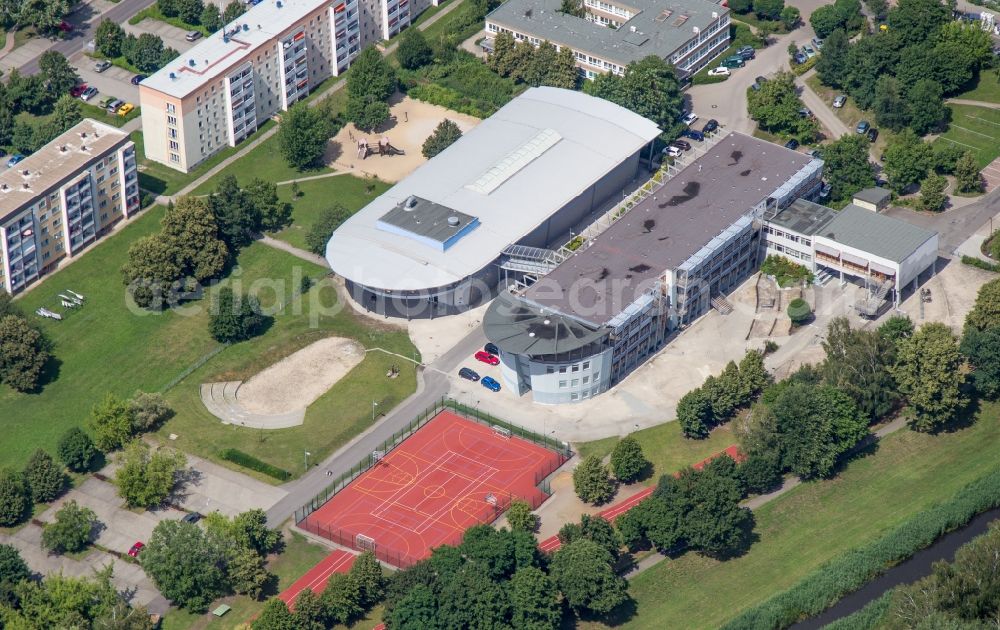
(519, 327)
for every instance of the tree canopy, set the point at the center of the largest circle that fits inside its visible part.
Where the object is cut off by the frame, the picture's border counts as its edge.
(592, 482)
(186, 565)
(445, 134)
(304, 134)
(846, 165)
(370, 83)
(776, 108)
(146, 479)
(648, 87)
(928, 375)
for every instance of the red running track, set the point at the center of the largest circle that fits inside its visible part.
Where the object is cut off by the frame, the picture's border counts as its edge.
(316, 578)
(432, 487)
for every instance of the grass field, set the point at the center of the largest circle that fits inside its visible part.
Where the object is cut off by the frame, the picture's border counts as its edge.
(352, 192)
(154, 13)
(799, 531)
(986, 89)
(976, 129)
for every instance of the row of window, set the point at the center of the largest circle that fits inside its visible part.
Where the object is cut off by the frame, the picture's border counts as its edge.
(574, 367)
(795, 238)
(576, 382)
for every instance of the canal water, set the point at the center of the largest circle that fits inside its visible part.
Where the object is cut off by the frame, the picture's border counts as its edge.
(916, 567)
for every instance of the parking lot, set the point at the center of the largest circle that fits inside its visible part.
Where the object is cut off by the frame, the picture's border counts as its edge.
(113, 82)
(172, 36)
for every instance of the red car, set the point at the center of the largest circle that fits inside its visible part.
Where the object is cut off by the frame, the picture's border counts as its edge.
(136, 548)
(65, 26)
(486, 357)
(77, 89)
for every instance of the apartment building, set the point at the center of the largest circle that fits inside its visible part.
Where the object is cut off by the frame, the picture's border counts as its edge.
(220, 91)
(62, 198)
(614, 33)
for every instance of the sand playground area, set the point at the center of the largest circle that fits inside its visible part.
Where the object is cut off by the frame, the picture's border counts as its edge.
(410, 123)
(300, 378)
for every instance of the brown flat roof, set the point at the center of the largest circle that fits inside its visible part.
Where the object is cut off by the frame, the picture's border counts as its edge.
(64, 157)
(667, 228)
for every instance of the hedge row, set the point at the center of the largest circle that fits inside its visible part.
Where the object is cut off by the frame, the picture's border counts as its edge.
(249, 461)
(852, 569)
(447, 98)
(972, 261)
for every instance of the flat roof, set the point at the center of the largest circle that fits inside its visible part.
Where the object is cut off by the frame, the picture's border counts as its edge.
(522, 328)
(613, 269)
(873, 195)
(803, 217)
(63, 157)
(660, 26)
(215, 54)
(427, 221)
(508, 172)
(874, 233)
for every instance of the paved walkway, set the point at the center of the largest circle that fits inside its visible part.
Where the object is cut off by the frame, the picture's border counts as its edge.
(965, 101)
(270, 241)
(820, 109)
(312, 177)
(8, 44)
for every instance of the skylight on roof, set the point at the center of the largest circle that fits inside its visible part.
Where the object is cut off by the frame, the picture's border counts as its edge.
(510, 164)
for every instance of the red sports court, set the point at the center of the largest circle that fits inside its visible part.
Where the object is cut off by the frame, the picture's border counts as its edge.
(316, 578)
(451, 474)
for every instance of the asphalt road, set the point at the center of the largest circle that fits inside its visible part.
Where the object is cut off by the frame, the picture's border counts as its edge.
(85, 22)
(954, 226)
(432, 384)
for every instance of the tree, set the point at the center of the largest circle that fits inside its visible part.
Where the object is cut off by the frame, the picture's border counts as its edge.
(926, 106)
(715, 524)
(60, 601)
(309, 611)
(189, 10)
(961, 50)
(832, 65)
(817, 426)
(445, 134)
(917, 21)
(868, 59)
(825, 21)
(470, 599)
(799, 311)
(753, 376)
(967, 175)
(366, 572)
(232, 11)
(768, 9)
(23, 353)
(76, 450)
(169, 8)
(247, 529)
(895, 329)
(67, 112)
(572, 7)
(932, 197)
(775, 107)
(542, 60)
(416, 609)
(534, 599)
(907, 160)
(146, 479)
(303, 135)
(890, 110)
(648, 87)
(627, 461)
(982, 348)
(276, 616)
(6, 122)
(341, 599)
(789, 17)
(71, 531)
(237, 218)
(58, 75)
(761, 473)
(520, 518)
(234, 319)
(146, 52)
(14, 501)
(878, 8)
(591, 481)
(109, 38)
(369, 85)
(414, 52)
(582, 570)
(741, 6)
(12, 570)
(694, 412)
(111, 423)
(211, 17)
(43, 477)
(245, 572)
(186, 565)
(985, 313)
(323, 228)
(857, 363)
(148, 411)
(563, 72)
(929, 377)
(945, 157)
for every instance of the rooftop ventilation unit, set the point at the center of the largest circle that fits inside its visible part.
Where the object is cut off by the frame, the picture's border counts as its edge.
(246, 28)
(453, 221)
(279, 4)
(411, 203)
(173, 76)
(715, 15)
(695, 30)
(191, 62)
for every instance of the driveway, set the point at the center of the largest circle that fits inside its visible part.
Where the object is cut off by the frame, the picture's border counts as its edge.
(826, 116)
(956, 225)
(214, 488)
(172, 36)
(114, 81)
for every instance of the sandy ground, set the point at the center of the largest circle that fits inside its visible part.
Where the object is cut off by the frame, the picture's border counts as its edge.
(411, 122)
(299, 379)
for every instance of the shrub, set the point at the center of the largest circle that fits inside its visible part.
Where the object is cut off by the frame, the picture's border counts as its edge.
(785, 272)
(799, 311)
(448, 98)
(325, 225)
(445, 134)
(520, 518)
(972, 261)
(246, 460)
(76, 450)
(234, 319)
(854, 568)
(44, 479)
(14, 502)
(148, 410)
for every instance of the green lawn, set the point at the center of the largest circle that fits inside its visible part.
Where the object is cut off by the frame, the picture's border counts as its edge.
(102, 115)
(153, 13)
(976, 129)
(801, 530)
(265, 162)
(353, 192)
(986, 89)
(665, 447)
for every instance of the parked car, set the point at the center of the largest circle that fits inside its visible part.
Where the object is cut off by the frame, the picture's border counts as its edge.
(469, 374)
(193, 36)
(863, 126)
(689, 118)
(492, 349)
(490, 383)
(809, 52)
(681, 144)
(734, 61)
(192, 517)
(747, 52)
(710, 126)
(114, 105)
(136, 548)
(77, 89)
(805, 112)
(815, 153)
(755, 87)
(486, 357)
(14, 159)
(673, 151)
(800, 58)
(824, 190)
(65, 27)
(839, 101)
(721, 71)
(89, 93)
(125, 109)
(761, 80)
(694, 134)
(102, 65)
(137, 79)
(872, 134)
(792, 144)
(817, 42)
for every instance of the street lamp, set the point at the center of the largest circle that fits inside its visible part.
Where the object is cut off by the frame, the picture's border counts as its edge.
(305, 458)
(374, 404)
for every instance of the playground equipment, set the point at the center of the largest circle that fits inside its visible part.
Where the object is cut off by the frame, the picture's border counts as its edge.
(383, 147)
(44, 312)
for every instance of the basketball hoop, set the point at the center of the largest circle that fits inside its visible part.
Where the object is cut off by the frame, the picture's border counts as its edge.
(364, 543)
